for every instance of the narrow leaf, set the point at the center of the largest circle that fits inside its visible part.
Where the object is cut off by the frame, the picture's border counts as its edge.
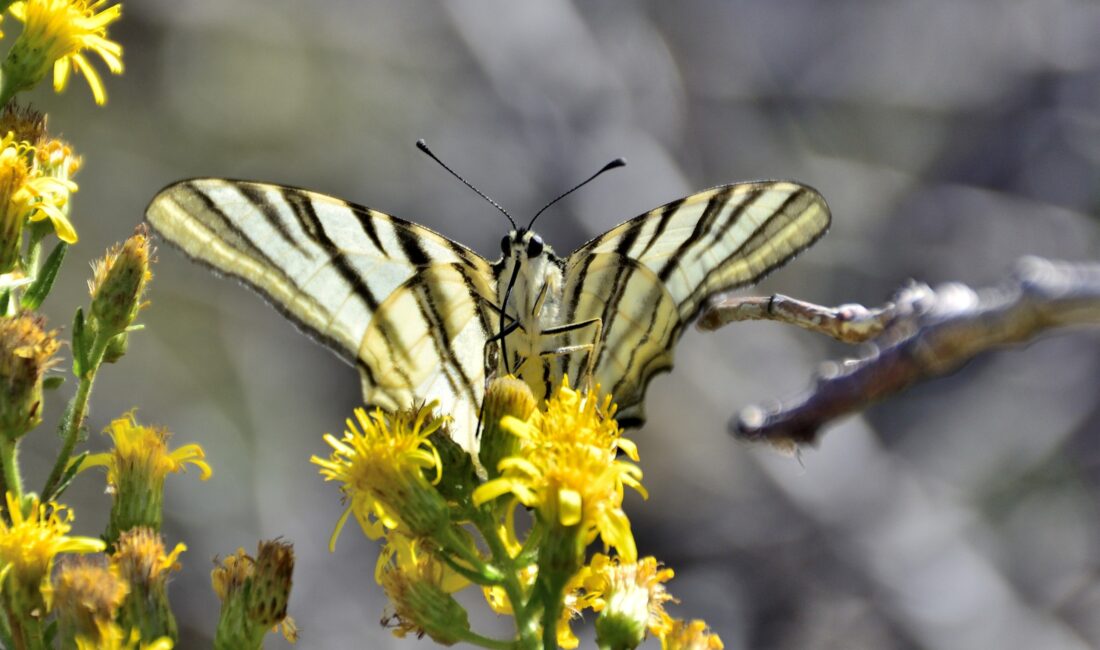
(68, 476)
(40, 288)
(80, 347)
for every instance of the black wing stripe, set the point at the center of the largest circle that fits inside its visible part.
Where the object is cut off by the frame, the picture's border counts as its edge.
(307, 215)
(751, 243)
(367, 220)
(713, 208)
(411, 247)
(246, 240)
(666, 217)
(735, 214)
(260, 201)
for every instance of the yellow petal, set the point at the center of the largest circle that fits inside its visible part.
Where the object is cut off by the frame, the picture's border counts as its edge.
(570, 507)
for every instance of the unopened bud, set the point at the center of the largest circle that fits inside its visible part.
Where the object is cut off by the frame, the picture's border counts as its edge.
(254, 594)
(505, 396)
(86, 597)
(140, 559)
(119, 282)
(26, 352)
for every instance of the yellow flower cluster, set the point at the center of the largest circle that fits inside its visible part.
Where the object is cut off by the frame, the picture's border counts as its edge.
(567, 468)
(37, 534)
(33, 190)
(55, 35)
(565, 462)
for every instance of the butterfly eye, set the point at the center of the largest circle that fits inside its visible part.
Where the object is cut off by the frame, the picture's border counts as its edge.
(534, 246)
(506, 245)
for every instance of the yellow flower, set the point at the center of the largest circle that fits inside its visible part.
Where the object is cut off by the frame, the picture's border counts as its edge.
(28, 546)
(382, 464)
(629, 597)
(147, 448)
(567, 468)
(136, 470)
(26, 192)
(112, 637)
(55, 34)
(420, 586)
(694, 635)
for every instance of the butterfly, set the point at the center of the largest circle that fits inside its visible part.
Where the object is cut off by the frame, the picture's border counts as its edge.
(425, 318)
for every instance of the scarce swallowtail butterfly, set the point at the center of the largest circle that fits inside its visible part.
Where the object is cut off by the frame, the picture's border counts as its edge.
(425, 318)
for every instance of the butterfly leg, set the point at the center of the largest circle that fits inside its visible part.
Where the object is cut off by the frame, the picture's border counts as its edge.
(500, 336)
(591, 348)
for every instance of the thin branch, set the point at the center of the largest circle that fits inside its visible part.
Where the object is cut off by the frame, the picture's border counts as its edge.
(922, 333)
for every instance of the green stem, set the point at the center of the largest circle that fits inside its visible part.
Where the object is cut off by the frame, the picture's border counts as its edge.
(551, 612)
(27, 633)
(525, 622)
(74, 418)
(17, 632)
(484, 641)
(13, 482)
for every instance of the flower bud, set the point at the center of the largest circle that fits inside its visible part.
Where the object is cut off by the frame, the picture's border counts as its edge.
(24, 123)
(505, 396)
(254, 595)
(86, 597)
(26, 352)
(458, 476)
(140, 559)
(119, 282)
(416, 583)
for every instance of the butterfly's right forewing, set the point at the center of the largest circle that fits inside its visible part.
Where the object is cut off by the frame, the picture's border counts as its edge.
(366, 297)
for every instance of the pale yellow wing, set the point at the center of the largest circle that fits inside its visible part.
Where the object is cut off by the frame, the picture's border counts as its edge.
(647, 278)
(352, 277)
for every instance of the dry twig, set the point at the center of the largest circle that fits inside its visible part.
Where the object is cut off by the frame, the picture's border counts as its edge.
(922, 333)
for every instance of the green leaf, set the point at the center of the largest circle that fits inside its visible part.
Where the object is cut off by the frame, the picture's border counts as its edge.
(68, 476)
(40, 288)
(5, 300)
(53, 382)
(80, 346)
(50, 633)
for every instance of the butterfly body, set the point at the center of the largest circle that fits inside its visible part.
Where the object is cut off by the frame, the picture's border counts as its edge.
(425, 318)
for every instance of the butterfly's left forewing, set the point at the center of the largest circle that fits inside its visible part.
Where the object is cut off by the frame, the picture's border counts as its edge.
(408, 307)
(648, 278)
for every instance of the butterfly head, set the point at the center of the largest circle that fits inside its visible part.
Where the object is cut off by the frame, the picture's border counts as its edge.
(523, 245)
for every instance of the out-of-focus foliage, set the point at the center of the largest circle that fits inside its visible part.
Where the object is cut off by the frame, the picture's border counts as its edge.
(948, 137)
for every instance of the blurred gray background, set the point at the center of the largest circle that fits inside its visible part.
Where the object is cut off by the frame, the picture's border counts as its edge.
(949, 138)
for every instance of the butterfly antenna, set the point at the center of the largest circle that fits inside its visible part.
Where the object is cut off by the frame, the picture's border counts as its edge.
(614, 164)
(423, 146)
